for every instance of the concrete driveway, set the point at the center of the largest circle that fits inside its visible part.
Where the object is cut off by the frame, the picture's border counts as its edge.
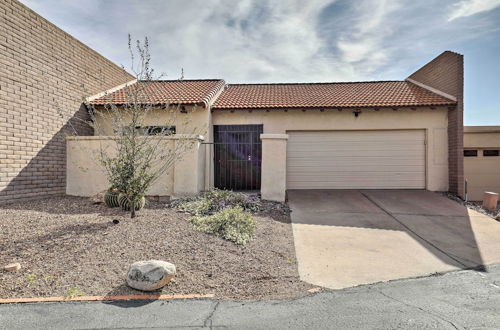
(345, 238)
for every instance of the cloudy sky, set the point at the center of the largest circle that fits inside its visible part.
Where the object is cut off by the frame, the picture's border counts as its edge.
(297, 40)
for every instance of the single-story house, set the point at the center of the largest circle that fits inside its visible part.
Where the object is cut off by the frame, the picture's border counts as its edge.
(405, 134)
(481, 160)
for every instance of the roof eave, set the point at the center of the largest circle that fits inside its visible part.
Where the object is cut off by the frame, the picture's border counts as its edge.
(330, 107)
(203, 104)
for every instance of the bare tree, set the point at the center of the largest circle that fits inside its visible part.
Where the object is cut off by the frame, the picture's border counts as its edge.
(141, 152)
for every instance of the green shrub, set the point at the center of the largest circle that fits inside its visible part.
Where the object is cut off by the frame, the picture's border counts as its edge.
(215, 200)
(231, 223)
(198, 206)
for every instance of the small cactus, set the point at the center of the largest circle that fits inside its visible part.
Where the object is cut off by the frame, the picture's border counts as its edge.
(125, 203)
(111, 199)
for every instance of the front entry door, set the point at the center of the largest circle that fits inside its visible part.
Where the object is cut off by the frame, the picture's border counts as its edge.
(237, 152)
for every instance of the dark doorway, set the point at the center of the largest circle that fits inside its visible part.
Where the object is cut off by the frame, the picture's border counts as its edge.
(238, 154)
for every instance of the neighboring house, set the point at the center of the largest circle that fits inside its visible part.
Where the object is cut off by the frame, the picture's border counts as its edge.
(42, 68)
(481, 160)
(356, 135)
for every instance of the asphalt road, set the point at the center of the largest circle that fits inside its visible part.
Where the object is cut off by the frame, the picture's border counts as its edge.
(458, 300)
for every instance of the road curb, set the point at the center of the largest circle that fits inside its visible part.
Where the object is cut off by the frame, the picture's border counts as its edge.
(105, 298)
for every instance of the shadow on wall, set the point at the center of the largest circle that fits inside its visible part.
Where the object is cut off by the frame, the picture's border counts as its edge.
(440, 225)
(45, 173)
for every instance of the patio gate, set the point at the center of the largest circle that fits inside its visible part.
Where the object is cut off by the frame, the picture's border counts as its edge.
(237, 156)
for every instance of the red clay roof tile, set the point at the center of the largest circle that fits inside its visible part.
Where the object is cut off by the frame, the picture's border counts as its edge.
(268, 96)
(166, 91)
(328, 95)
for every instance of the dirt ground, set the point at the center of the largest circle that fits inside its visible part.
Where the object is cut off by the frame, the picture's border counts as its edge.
(69, 244)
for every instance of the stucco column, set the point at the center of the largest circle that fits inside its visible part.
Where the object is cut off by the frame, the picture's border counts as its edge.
(273, 179)
(189, 172)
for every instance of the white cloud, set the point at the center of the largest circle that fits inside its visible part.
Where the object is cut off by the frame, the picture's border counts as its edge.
(363, 44)
(266, 40)
(466, 8)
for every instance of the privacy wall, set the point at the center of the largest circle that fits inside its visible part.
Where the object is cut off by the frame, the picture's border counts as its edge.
(87, 177)
(42, 67)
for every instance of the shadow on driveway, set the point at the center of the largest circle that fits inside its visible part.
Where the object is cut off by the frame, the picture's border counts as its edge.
(351, 237)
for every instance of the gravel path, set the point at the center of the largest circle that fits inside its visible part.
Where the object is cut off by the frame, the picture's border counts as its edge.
(68, 243)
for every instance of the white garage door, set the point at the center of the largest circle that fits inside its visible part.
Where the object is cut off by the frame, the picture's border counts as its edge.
(356, 159)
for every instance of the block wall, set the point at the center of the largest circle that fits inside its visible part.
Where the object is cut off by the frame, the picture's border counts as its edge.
(42, 68)
(446, 74)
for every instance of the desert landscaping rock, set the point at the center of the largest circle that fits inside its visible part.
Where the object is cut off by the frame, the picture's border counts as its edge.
(150, 275)
(98, 198)
(12, 267)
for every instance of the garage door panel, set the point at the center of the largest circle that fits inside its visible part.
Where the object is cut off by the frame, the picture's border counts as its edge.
(355, 185)
(325, 138)
(368, 137)
(356, 159)
(348, 150)
(334, 161)
(355, 169)
(306, 165)
(361, 154)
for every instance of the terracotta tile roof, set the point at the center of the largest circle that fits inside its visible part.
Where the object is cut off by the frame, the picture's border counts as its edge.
(167, 91)
(328, 95)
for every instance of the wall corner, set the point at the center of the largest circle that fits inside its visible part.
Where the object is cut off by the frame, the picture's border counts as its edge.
(273, 177)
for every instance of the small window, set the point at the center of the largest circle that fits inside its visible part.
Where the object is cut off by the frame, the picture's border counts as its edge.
(158, 130)
(491, 153)
(153, 130)
(470, 153)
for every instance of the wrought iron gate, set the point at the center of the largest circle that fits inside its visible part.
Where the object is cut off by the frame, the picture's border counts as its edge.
(237, 156)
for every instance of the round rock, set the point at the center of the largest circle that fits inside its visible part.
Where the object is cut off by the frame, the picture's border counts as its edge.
(150, 275)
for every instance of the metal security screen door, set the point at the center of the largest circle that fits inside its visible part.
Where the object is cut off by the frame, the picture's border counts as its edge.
(238, 153)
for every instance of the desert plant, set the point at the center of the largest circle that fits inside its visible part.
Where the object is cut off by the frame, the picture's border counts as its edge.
(73, 293)
(222, 198)
(231, 223)
(31, 279)
(139, 156)
(111, 198)
(195, 206)
(215, 200)
(126, 204)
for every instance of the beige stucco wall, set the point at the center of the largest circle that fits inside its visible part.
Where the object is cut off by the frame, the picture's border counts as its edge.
(273, 178)
(487, 137)
(87, 177)
(196, 121)
(482, 173)
(433, 121)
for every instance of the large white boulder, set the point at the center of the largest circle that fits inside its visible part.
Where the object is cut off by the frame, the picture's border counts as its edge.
(150, 275)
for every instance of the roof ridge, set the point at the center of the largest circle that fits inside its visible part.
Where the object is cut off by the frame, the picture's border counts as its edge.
(180, 80)
(316, 83)
(209, 99)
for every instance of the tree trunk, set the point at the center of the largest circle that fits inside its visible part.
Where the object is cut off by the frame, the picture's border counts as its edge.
(132, 211)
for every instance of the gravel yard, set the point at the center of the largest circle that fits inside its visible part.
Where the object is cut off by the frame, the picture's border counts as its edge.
(476, 206)
(68, 244)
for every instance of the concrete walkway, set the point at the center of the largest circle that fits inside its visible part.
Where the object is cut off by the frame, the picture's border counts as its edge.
(457, 300)
(345, 238)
